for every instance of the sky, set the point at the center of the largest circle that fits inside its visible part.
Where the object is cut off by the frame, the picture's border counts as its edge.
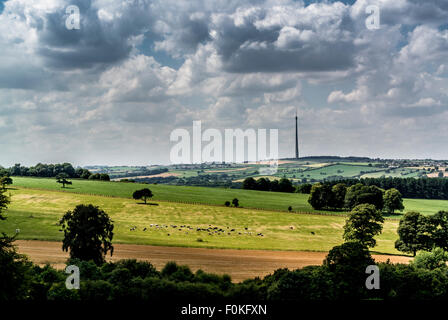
(112, 91)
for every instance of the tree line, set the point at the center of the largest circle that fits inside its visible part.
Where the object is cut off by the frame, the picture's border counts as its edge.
(264, 184)
(339, 196)
(415, 188)
(52, 171)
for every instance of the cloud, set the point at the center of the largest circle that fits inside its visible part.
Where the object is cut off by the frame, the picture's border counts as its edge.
(95, 95)
(287, 38)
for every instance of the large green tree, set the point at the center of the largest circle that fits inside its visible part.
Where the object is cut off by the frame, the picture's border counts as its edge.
(285, 185)
(414, 233)
(439, 229)
(339, 190)
(348, 263)
(249, 183)
(393, 200)
(363, 224)
(321, 196)
(142, 194)
(88, 233)
(359, 194)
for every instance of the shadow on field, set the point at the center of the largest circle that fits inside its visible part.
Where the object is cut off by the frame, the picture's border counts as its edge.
(148, 204)
(391, 254)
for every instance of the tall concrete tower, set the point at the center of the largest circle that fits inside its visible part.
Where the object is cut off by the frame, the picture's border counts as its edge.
(297, 138)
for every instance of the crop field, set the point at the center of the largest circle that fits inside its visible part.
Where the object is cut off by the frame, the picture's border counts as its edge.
(343, 170)
(37, 212)
(395, 173)
(321, 171)
(305, 170)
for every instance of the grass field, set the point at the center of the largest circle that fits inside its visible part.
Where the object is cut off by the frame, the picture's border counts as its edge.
(215, 196)
(37, 205)
(36, 213)
(395, 173)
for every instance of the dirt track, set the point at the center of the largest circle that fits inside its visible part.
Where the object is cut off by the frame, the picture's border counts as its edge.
(239, 264)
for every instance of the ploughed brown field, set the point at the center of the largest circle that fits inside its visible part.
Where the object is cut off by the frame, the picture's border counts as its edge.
(239, 264)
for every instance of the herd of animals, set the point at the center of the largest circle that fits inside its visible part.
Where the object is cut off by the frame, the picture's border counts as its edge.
(211, 230)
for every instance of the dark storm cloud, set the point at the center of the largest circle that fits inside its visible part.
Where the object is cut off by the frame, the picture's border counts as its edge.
(328, 57)
(288, 46)
(189, 33)
(98, 41)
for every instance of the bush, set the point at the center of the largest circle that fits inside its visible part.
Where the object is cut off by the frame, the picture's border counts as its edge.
(140, 269)
(95, 290)
(436, 259)
(15, 273)
(304, 188)
(176, 272)
(88, 269)
(58, 292)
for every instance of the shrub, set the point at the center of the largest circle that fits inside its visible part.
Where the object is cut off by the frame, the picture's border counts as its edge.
(58, 292)
(436, 259)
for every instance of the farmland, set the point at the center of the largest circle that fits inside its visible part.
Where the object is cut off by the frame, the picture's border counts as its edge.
(311, 169)
(38, 204)
(209, 196)
(36, 213)
(213, 196)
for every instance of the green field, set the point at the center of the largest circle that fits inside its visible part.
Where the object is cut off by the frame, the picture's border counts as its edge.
(214, 196)
(36, 213)
(38, 204)
(394, 173)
